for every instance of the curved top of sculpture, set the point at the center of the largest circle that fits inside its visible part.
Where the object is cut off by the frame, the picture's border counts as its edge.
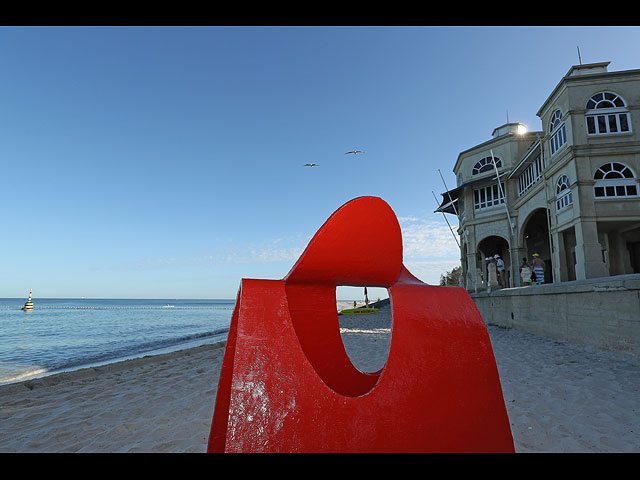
(359, 245)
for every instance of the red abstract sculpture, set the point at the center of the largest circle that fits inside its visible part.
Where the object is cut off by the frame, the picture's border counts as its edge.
(287, 384)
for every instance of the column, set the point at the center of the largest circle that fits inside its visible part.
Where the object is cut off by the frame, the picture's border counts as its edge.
(589, 262)
(557, 258)
(518, 254)
(472, 280)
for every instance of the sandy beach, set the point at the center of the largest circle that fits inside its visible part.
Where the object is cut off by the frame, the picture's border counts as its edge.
(560, 397)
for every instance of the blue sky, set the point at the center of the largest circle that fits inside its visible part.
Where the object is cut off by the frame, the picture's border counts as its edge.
(167, 162)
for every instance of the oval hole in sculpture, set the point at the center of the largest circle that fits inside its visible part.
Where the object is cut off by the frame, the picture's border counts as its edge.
(366, 337)
(315, 320)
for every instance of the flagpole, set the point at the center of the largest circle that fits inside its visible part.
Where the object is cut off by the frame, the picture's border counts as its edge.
(445, 217)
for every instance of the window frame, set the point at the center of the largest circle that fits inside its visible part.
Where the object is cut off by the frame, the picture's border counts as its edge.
(488, 197)
(611, 119)
(486, 164)
(557, 132)
(564, 194)
(530, 176)
(621, 182)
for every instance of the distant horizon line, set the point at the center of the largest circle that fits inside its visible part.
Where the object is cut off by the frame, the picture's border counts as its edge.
(123, 298)
(148, 298)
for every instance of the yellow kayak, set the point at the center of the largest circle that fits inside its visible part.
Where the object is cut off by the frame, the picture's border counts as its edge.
(358, 311)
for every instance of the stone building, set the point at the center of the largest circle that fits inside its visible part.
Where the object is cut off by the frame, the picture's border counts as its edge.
(570, 193)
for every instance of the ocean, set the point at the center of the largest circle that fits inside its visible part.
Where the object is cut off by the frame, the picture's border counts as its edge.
(62, 334)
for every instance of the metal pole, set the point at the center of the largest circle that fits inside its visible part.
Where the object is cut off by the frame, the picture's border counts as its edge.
(454, 209)
(506, 207)
(502, 192)
(548, 210)
(447, 190)
(454, 235)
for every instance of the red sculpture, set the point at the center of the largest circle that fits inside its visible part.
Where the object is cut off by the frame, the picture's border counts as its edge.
(287, 384)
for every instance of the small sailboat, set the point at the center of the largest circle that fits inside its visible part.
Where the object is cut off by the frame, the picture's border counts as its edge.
(28, 305)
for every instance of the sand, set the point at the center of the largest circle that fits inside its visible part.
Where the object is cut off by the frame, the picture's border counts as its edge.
(560, 397)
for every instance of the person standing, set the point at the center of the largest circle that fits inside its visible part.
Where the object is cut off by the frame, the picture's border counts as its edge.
(525, 272)
(538, 268)
(501, 270)
(492, 274)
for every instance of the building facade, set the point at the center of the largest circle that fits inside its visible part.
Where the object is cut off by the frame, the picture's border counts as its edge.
(569, 193)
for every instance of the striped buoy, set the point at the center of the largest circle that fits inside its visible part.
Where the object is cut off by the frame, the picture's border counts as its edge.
(28, 304)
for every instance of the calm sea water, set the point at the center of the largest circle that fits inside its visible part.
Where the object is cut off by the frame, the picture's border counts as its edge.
(66, 334)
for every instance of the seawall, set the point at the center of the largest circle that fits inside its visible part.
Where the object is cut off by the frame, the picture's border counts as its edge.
(601, 312)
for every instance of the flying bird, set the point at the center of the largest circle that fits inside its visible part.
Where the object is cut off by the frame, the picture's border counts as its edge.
(355, 152)
(310, 164)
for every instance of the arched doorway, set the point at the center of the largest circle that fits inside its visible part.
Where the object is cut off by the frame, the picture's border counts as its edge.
(489, 247)
(536, 240)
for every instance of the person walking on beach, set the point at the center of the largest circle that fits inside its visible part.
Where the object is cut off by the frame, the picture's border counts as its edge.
(525, 272)
(501, 270)
(538, 268)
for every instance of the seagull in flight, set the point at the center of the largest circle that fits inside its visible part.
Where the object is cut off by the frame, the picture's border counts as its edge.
(355, 152)
(310, 164)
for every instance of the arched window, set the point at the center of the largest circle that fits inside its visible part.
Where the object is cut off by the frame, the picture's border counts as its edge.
(485, 165)
(607, 114)
(564, 196)
(557, 132)
(615, 180)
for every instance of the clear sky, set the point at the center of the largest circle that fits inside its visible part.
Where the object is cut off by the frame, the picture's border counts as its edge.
(166, 162)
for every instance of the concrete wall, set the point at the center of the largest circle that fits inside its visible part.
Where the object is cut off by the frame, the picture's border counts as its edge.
(602, 312)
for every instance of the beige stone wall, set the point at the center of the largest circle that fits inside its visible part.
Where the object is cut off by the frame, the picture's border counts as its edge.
(603, 313)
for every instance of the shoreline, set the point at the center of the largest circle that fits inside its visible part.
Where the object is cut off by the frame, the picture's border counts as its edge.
(115, 366)
(560, 397)
(184, 345)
